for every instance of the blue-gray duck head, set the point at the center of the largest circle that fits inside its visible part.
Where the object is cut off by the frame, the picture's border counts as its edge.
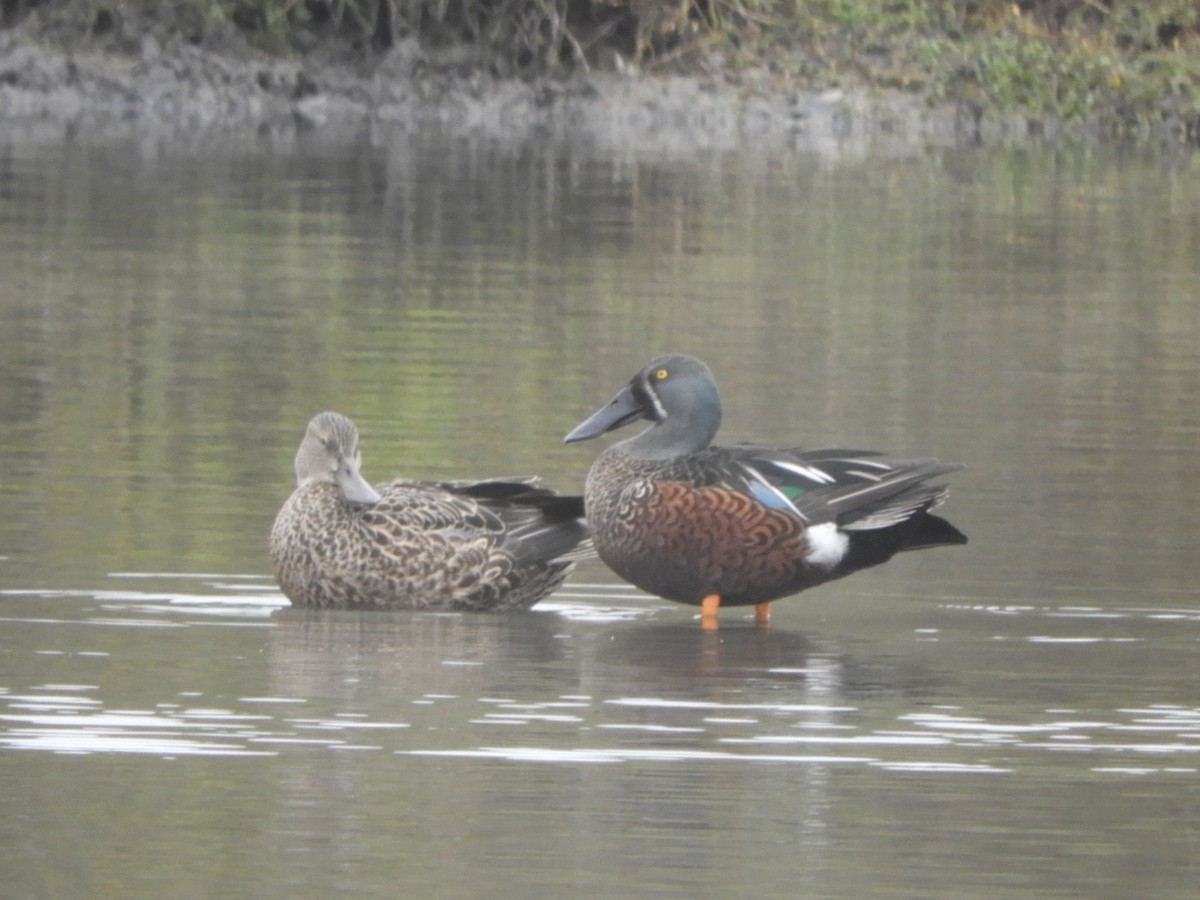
(677, 394)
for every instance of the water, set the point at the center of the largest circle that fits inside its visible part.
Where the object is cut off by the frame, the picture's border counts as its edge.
(1017, 717)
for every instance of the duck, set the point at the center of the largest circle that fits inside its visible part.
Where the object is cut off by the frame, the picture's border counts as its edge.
(492, 545)
(742, 524)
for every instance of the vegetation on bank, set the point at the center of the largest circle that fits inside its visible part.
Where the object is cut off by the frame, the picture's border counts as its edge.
(1125, 65)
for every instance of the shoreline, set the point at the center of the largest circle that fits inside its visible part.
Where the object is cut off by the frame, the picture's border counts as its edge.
(173, 86)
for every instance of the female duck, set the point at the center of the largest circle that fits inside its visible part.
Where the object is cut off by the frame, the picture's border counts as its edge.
(488, 545)
(742, 524)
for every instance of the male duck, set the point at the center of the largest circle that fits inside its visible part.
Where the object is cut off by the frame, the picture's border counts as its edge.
(742, 524)
(488, 545)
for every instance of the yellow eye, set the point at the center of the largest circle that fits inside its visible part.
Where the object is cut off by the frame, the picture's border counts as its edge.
(661, 374)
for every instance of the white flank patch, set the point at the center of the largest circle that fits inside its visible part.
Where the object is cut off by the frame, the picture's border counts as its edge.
(828, 545)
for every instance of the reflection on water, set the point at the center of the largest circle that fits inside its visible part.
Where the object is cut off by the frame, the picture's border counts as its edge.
(64, 724)
(367, 713)
(366, 720)
(1017, 717)
(453, 682)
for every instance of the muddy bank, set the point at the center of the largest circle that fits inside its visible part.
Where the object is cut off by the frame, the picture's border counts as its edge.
(169, 85)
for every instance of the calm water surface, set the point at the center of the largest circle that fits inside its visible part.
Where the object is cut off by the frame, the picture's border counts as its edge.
(1019, 717)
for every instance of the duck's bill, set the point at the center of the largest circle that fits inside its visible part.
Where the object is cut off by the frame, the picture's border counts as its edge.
(622, 410)
(356, 490)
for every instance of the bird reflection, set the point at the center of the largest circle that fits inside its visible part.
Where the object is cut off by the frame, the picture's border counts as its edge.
(348, 655)
(755, 663)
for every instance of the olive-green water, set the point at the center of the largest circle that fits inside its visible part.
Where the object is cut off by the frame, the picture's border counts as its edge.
(1019, 717)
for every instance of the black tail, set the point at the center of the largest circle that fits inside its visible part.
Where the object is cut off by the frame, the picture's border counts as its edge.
(870, 548)
(540, 524)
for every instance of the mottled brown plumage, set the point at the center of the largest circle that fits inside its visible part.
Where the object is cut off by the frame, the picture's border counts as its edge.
(489, 545)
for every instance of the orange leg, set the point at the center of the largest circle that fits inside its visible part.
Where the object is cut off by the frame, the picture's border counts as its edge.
(762, 615)
(708, 612)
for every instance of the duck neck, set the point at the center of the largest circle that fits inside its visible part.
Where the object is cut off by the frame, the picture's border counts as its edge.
(679, 434)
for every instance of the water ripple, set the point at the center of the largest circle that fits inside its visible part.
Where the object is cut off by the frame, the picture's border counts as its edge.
(433, 685)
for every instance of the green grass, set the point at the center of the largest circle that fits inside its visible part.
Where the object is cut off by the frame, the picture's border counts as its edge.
(1123, 66)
